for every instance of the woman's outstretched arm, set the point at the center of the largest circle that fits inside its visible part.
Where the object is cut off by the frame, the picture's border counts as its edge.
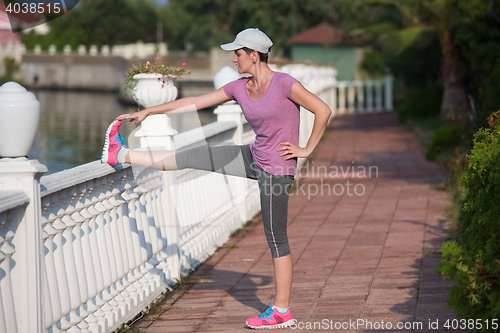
(322, 112)
(186, 104)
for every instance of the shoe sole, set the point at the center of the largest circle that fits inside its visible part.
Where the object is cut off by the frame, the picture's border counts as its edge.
(282, 325)
(104, 155)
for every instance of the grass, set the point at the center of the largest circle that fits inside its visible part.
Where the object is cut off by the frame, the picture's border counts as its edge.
(240, 233)
(181, 281)
(126, 329)
(167, 308)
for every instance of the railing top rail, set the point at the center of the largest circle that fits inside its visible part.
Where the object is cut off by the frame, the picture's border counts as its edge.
(67, 178)
(74, 176)
(12, 199)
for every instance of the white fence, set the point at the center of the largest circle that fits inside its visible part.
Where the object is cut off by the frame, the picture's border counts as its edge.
(127, 51)
(87, 249)
(365, 96)
(11, 50)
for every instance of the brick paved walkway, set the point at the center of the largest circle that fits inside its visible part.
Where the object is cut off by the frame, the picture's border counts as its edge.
(368, 256)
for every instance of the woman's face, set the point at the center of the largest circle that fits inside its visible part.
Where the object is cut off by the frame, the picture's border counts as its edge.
(243, 61)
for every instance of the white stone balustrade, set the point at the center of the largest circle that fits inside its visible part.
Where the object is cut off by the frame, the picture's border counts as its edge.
(128, 51)
(364, 96)
(11, 50)
(87, 249)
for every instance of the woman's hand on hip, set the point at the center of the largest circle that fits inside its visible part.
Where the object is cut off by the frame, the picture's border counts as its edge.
(289, 150)
(138, 117)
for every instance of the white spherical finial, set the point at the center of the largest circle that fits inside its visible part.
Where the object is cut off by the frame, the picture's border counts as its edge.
(20, 114)
(224, 76)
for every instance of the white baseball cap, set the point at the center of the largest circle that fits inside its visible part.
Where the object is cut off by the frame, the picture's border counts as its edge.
(252, 38)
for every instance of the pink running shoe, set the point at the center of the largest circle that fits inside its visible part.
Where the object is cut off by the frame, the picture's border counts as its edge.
(271, 318)
(113, 145)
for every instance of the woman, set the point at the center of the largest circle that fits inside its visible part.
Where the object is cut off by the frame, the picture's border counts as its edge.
(270, 102)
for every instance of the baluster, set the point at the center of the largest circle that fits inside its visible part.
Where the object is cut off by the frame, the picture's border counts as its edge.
(153, 221)
(126, 305)
(172, 227)
(161, 207)
(50, 268)
(115, 224)
(360, 96)
(388, 92)
(79, 261)
(148, 236)
(369, 96)
(140, 283)
(69, 260)
(155, 229)
(128, 219)
(144, 267)
(341, 86)
(90, 273)
(333, 93)
(157, 202)
(350, 96)
(109, 219)
(100, 221)
(48, 315)
(378, 88)
(5, 283)
(60, 268)
(3, 324)
(96, 259)
(185, 194)
(197, 214)
(48, 217)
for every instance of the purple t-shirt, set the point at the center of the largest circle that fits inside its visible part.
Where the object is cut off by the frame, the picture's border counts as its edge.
(274, 118)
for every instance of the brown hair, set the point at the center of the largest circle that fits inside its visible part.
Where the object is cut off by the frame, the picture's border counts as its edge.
(263, 57)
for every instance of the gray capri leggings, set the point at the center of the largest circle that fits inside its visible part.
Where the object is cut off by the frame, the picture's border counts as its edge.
(274, 190)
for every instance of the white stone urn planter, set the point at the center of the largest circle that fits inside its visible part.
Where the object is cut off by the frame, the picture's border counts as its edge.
(20, 114)
(152, 90)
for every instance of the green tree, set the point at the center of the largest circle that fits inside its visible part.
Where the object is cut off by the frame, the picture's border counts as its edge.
(478, 38)
(413, 22)
(208, 23)
(99, 22)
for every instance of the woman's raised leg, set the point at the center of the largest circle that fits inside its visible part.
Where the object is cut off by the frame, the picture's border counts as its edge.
(158, 159)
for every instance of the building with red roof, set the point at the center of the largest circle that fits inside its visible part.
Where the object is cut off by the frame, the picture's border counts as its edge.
(25, 21)
(329, 45)
(6, 34)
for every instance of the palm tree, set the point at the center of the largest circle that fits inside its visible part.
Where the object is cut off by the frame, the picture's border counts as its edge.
(414, 21)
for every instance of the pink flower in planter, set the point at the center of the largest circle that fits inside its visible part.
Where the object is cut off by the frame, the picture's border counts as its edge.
(184, 64)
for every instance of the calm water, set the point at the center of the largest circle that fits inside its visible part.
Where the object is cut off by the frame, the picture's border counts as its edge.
(72, 126)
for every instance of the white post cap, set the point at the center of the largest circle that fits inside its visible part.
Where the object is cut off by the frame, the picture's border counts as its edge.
(225, 75)
(20, 114)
